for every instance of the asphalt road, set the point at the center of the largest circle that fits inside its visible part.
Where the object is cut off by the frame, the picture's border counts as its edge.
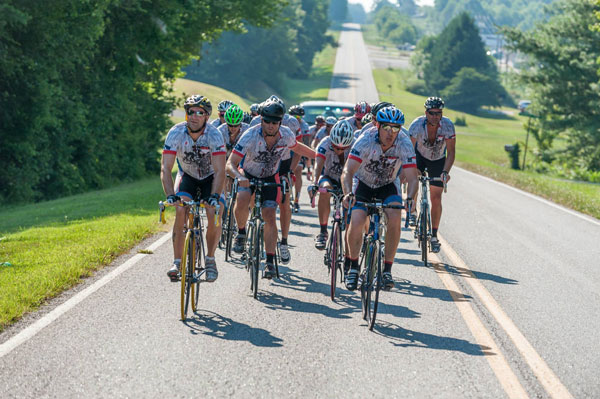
(511, 310)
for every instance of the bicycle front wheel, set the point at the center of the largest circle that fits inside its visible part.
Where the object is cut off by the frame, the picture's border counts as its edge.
(376, 285)
(198, 272)
(187, 272)
(231, 227)
(367, 281)
(423, 234)
(333, 257)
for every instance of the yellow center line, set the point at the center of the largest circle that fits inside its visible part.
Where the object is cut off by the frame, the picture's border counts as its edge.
(545, 375)
(507, 378)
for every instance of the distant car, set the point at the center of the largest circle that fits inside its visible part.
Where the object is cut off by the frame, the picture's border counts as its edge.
(326, 108)
(523, 104)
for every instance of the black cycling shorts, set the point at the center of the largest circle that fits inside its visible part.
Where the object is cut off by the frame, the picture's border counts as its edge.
(194, 188)
(271, 195)
(385, 194)
(284, 166)
(434, 168)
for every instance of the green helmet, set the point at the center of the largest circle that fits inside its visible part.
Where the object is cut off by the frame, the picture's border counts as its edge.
(234, 115)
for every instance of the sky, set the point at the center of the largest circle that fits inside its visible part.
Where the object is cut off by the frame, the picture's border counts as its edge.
(367, 4)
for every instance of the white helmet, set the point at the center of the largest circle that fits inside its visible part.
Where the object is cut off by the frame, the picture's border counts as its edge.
(331, 120)
(342, 133)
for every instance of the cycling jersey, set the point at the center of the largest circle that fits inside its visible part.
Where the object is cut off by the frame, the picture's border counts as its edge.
(194, 157)
(321, 134)
(258, 160)
(312, 131)
(216, 123)
(437, 150)
(354, 123)
(303, 135)
(224, 130)
(358, 133)
(332, 166)
(376, 167)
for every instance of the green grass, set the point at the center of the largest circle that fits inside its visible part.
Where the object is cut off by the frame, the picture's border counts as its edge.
(48, 247)
(316, 86)
(480, 146)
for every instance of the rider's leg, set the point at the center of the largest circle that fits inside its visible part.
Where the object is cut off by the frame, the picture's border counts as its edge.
(241, 209)
(212, 232)
(436, 206)
(270, 232)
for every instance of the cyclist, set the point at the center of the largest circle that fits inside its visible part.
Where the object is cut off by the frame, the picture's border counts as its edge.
(297, 111)
(199, 151)
(233, 127)
(312, 131)
(332, 153)
(369, 125)
(262, 148)
(247, 118)
(254, 108)
(360, 109)
(434, 138)
(222, 107)
(324, 131)
(375, 159)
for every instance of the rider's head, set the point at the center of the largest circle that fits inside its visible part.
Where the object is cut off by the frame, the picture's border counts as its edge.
(296, 111)
(319, 120)
(434, 107)
(272, 113)
(377, 106)
(222, 107)
(389, 123)
(254, 109)
(197, 110)
(341, 135)
(329, 122)
(368, 118)
(360, 109)
(234, 116)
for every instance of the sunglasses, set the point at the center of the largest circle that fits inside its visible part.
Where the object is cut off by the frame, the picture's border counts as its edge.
(338, 148)
(390, 128)
(200, 113)
(434, 113)
(221, 113)
(233, 125)
(271, 122)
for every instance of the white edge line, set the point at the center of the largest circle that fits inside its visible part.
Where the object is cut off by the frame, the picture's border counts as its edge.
(535, 197)
(542, 371)
(32, 330)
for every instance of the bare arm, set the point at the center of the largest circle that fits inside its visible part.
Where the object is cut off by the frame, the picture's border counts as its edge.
(450, 154)
(304, 150)
(218, 164)
(232, 169)
(167, 162)
(320, 162)
(412, 177)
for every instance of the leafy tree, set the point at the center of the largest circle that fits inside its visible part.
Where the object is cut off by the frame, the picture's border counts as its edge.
(562, 74)
(469, 90)
(84, 85)
(394, 25)
(357, 13)
(457, 47)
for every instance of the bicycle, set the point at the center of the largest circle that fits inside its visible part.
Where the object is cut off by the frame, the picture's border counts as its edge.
(334, 249)
(255, 235)
(372, 259)
(191, 269)
(229, 226)
(423, 232)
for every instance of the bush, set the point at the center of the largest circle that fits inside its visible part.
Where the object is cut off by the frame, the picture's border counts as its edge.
(469, 90)
(460, 121)
(417, 86)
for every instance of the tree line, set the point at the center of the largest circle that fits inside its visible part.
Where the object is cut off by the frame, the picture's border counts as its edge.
(85, 85)
(239, 61)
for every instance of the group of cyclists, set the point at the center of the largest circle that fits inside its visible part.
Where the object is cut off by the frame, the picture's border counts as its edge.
(368, 155)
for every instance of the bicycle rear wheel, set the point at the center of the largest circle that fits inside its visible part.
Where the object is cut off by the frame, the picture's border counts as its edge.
(198, 272)
(333, 257)
(187, 271)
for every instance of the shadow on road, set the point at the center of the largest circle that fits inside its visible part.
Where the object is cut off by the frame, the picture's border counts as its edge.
(404, 338)
(468, 273)
(406, 287)
(341, 81)
(213, 324)
(277, 302)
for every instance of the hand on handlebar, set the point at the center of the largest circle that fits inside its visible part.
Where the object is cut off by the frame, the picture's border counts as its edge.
(243, 181)
(171, 199)
(348, 201)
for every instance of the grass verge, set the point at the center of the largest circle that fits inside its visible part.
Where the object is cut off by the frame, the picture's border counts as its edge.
(48, 247)
(480, 146)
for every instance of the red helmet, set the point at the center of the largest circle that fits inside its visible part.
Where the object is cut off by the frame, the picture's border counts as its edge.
(361, 108)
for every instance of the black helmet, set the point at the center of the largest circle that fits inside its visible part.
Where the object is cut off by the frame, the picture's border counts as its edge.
(276, 99)
(272, 111)
(198, 101)
(377, 106)
(247, 118)
(296, 110)
(434, 102)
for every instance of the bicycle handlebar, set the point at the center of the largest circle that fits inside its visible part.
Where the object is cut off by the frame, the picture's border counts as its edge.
(163, 204)
(334, 191)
